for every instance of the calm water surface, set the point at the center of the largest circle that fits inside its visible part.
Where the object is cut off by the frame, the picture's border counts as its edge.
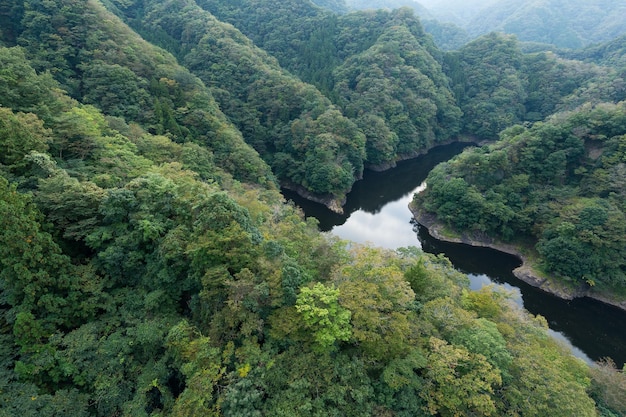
(376, 211)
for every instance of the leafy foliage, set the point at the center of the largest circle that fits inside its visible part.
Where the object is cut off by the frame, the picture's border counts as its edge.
(560, 182)
(322, 315)
(396, 92)
(149, 267)
(291, 124)
(379, 67)
(497, 86)
(99, 60)
(564, 24)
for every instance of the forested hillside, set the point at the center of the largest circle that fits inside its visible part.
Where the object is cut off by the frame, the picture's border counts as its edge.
(496, 85)
(612, 54)
(304, 138)
(379, 67)
(289, 122)
(98, 60)
(540, 178)
(561, 183)
(551, 23)
(150, 267)
(564, 23)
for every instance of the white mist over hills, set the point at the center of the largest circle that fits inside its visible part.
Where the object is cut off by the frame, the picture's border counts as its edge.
(456, 11)
(564, 23)
(420, 9)
(453, 11)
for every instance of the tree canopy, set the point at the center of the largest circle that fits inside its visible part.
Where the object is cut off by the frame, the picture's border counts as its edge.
(560, 183)
(149, 265)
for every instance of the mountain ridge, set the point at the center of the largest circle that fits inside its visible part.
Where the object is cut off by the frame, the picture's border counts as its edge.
(149, 265)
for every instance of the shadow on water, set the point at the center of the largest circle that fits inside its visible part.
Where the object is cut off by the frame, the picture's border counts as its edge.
(377, 189)
(597, 329)
(376, 211)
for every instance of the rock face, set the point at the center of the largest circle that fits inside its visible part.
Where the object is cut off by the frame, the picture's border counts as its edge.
(328, 200)
(525, 272)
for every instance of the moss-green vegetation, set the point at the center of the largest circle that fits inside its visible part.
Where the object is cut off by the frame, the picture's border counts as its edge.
(560, 182)
(378, 67)
(571, 24)
(149, 266)
(496, 85)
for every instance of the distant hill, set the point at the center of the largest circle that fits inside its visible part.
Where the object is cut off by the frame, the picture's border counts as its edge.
(439, 22)
(337, 6)
(419, 9)
(612, 53)
(564, 23)
(459, 12)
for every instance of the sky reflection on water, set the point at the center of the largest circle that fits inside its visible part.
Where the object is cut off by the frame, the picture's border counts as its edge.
(387, 228)
(377, 213)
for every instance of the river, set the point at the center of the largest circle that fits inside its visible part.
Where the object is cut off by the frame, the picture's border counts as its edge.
(377, 212)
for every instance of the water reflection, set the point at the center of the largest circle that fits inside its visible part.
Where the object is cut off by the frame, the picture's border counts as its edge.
(388, 228)
(376, 211)
(592, 329)
(390, 189)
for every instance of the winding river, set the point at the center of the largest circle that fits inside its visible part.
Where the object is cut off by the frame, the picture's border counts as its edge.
(377, 211)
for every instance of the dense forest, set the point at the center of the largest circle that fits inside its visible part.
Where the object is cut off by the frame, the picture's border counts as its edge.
(149, 265)
(546, 24)
(541, 183)
(563, 23)
(560, 183)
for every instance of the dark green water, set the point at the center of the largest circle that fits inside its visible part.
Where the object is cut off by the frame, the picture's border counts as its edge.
(376, 211)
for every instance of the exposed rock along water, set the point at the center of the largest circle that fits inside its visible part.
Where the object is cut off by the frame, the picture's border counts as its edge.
(376, 211)
(525, 272)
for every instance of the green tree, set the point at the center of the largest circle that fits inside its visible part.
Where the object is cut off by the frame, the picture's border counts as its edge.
(459, 382)
(20, 134)
(380, 300)
(202, 367)
(492, 87)
(323, 316)
(36, 276)
(21, 88)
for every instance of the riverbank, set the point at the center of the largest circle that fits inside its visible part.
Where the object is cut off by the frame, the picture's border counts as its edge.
(526, 272)
(331, 202)
(405, 157)
(335, 204)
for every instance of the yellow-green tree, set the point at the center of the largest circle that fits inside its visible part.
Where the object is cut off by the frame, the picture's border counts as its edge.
(321, 313)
